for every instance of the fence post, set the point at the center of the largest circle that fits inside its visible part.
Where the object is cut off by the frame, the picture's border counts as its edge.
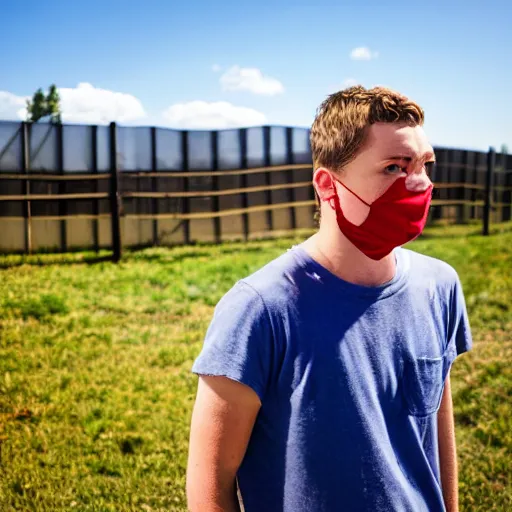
(491, 161)
(154, 184)
(115, 200)
(507, 196)
(467, 178)
(460, 161)
(62, 187)
(242, 133)
(25, 163)
(215, 183)
(96, 203)
(186, 186)
(268, 179)
(290, 175)
(444, 194)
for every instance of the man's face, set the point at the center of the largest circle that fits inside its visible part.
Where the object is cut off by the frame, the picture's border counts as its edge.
(391, 151)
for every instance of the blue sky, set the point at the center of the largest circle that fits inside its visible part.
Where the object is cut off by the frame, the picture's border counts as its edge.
(208, 64)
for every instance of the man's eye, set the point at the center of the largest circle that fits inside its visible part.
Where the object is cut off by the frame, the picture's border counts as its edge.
(394, 169)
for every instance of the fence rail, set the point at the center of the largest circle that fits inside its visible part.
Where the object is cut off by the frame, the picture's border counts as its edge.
(66, 186)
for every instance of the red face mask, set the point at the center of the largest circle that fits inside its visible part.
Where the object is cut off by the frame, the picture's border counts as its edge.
(395, 218)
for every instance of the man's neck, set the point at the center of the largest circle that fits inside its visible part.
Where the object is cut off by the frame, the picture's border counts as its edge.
(338, 255)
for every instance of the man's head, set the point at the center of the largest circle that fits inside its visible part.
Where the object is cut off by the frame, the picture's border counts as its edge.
(357, 134)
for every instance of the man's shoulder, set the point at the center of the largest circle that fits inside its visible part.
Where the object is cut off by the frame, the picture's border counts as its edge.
(276, 276)
(273, 281)
(431, 268)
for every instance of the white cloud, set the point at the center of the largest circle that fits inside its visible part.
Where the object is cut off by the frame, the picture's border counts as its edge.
(12, 107)
(250, 79)
(88, 104)
(216, 68)
(216, 115)
(83, 104)
(363, 53)
(349, 82)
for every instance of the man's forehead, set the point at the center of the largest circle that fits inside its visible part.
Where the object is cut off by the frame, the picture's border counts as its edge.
(397, 140)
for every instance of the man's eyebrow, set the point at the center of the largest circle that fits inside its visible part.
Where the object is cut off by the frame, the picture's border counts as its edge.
(429, 155)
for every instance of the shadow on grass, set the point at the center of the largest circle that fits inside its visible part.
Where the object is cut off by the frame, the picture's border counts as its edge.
(432, 235)
(40, 261)
(203, 252)
(453, 231)
(131, 254)
(203, 249)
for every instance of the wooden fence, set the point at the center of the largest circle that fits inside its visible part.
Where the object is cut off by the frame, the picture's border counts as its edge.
(67, 187)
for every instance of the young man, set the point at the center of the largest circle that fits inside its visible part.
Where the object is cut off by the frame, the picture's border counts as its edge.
(324, 376)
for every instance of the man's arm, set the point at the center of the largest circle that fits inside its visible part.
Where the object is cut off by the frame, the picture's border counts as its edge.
(447, 450)
(222, 422)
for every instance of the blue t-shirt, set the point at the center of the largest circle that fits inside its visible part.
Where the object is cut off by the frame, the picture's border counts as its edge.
(350, 379)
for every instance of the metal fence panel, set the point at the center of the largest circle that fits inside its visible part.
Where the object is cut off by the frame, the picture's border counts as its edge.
(43, 147)
(77, 144)
(10, 146)
(168, 150)
(301, 146)
(229, 149)
(103, 148)
(255, 150)
(277, 145)
(199, 150)
(134, 148)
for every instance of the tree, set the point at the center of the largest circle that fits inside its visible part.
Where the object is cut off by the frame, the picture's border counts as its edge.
(37, 107)
(41, 106)
(53, 103)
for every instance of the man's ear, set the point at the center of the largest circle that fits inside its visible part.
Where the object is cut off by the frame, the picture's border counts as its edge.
(324, 184)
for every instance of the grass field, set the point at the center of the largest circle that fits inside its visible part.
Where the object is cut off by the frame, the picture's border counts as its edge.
(95, 383)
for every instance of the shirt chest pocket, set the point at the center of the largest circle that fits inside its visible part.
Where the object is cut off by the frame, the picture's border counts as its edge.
(423, 383)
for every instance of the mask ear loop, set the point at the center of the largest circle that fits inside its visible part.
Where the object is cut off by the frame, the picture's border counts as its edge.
(352, 192)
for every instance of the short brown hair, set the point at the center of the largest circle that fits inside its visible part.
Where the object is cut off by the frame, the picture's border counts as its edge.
(342, 121)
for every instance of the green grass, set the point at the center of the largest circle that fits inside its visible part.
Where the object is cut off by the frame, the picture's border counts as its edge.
(95, 385)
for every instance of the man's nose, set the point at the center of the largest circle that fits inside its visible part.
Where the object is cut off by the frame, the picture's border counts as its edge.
(417, 181)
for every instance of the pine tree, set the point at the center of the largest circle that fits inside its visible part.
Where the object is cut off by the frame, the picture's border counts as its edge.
(53, 104)
(36, 109)
(41, 106)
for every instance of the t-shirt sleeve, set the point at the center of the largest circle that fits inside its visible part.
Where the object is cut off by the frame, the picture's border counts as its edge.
(459, 331)
(238, 342)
